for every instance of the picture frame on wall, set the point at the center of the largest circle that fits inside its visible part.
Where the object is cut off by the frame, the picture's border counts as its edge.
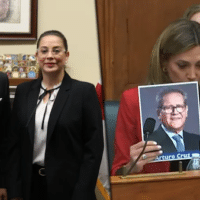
(18, 19)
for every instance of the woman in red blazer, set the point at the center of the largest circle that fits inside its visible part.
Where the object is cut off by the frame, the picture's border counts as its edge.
(56, 141)
(175, 58)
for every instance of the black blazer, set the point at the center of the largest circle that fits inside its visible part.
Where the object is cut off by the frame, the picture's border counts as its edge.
(4, 121)
(74, 141)
(191, 141)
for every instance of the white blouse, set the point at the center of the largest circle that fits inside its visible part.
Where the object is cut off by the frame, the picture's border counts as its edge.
(41, 134)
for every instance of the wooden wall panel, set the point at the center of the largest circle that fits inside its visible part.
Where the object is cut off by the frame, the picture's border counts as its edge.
(129, 29)
(120, 46)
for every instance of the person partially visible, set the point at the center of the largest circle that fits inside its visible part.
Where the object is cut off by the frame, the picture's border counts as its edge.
(175, 58)
(193, 13)
(4, 124)
(172, 112)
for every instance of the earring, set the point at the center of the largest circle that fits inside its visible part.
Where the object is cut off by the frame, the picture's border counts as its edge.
(164, 69)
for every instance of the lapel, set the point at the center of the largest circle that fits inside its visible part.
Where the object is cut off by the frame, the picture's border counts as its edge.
(189, 141)
(32, 101)
(165, 142)
(60, 101)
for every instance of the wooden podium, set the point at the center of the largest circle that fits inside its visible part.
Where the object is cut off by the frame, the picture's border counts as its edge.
(165, 186)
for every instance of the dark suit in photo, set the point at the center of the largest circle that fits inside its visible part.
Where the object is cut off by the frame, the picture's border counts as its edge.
(191, 141)
(4, 122)
(74, 141)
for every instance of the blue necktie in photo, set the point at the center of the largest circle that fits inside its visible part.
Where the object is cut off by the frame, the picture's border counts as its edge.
(180, 147)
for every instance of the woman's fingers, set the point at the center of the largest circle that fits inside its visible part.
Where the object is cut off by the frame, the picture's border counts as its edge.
(151, 155)
(151, 152)
(146, 158)
(152, 148)
(141, 144)
(136, 149)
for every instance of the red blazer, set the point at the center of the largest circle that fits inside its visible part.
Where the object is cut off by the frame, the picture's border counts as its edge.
(128, 132)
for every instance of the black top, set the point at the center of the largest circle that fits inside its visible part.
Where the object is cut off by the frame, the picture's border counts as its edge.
(4, 122)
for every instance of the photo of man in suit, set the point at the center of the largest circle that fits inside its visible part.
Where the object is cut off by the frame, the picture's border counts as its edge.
(172, 112)
(4, 124)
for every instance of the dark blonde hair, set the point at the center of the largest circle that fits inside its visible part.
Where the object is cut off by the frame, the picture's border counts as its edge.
(195, 8)
(180, 36)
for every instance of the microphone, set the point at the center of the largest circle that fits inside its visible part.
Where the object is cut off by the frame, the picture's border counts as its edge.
(148, 128)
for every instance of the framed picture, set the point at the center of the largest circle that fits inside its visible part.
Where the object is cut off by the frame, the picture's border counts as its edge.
(18, 19)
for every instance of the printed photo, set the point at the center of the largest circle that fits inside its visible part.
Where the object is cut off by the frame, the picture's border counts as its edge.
(170, 117)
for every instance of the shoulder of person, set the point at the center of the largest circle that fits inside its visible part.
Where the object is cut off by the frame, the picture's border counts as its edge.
(26, 85)
(192, 135)
(76, 84)
(3, 76)
(131, 97)
(132, 92)
(157, 132)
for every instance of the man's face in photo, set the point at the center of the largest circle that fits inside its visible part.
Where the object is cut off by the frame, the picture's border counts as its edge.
(174, 112)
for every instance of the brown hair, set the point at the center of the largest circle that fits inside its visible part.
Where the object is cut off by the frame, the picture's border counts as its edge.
(56, 33)
(195, 8)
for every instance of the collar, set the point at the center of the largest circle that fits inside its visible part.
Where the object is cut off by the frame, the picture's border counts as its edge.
(171, 133)
(54, 93)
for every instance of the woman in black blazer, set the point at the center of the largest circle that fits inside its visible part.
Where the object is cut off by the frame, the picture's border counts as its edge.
(56, 142)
